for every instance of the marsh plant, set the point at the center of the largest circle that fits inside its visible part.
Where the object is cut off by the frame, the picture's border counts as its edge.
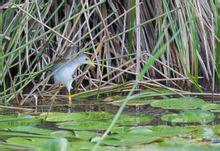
(171, 44)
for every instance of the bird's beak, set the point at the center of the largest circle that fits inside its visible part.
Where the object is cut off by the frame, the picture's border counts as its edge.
(90, 63)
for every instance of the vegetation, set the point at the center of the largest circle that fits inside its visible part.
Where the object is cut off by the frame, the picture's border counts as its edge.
(170, 48)
(170, 43)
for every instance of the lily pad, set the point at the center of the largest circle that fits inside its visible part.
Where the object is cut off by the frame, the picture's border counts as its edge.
(90, 124)
(31, 130)
(132, 119)
(79, 116)
(81, 145)
(179, 103)
(129, 140)
(211, 107)
(64, 134)
(178, 144)
(137, 102)
(190, 116)
(39, 143)
(162, 130)
(14, 120)
(146, 134)
(143, 98)
(86, 135)
(84, 125)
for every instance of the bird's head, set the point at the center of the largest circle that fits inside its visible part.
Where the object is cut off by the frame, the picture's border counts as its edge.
(84, 59)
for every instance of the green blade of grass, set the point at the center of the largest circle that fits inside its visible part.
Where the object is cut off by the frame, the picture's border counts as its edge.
(147, 66)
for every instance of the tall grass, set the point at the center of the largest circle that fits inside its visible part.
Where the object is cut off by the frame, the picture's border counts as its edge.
(217, 50)
(37, 33)
(171, 44)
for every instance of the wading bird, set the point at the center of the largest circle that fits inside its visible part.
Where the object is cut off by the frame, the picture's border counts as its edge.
(64, 70)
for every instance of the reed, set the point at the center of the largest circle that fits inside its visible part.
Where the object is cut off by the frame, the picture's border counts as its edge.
(121, 36)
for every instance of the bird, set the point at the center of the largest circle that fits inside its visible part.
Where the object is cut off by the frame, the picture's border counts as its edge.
(63, 71)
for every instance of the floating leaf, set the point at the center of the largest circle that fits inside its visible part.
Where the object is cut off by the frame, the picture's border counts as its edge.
(102, 118)
(14, 120)
(133, 119)
(34, 143)
(137, 102)
(143, 98)
(62, 133)
(162, 130)
(177, 144)
(84, 125)
(104, 124)
(179, 103)
(87, 146)
(31, 129)
(58, 144)
(79, 116)
(86, 135)
(129, 140)
(81, 145)
(146, 134)
(190, 116)
(211, 107)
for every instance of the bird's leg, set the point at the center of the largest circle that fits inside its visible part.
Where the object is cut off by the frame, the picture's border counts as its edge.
(69, 98)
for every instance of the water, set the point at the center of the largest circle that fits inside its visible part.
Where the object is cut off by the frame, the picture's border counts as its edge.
(81, 127)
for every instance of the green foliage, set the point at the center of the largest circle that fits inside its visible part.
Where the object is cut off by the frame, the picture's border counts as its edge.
(174, 41)
(87, 118)
(177, 46)
(85, 129)
(211, 107)
(79, 116)
(84, 125)
(189, 116)
(162, 131)
(8, 121)
(179, 103)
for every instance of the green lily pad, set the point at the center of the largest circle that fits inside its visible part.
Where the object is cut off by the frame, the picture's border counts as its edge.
(104, 124)
(64, 134)
(31, 130)
(79, 116)
(10, 147)
(86, 135)
(178, 144)
(129, 140)
(211, 107)
(190, 116)
(146, 134)
(143, 98)
(14, 120)
(57, 144)
(84, 125)
(42, 144)
(162, 130)
(98, 118)
(179, 103)
(138, 102)
(132, 119)
(82, 145)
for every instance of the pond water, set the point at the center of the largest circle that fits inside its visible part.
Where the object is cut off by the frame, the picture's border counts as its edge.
(146, 124)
